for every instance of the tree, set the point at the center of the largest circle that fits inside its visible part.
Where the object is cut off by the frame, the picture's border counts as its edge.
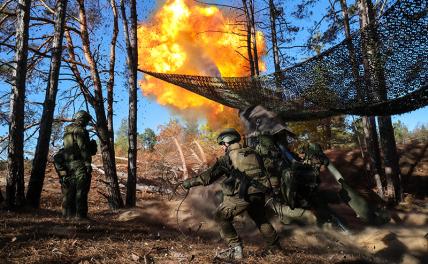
(420, 132)
(110, 82)
(376, 76)
(249, 30)
(15, 178)
(401, 132)
(130, 32)
(369, 123)
(148, 139)
(121, 141)
(95, 99)
(273, 13)
(35, 184)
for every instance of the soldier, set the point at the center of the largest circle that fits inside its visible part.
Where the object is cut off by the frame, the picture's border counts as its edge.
(73, 164)
(243, 190)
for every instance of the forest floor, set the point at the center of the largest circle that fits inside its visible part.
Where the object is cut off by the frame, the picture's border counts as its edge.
(152, 233)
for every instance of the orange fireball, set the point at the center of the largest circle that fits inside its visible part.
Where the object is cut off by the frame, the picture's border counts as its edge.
(186, 38)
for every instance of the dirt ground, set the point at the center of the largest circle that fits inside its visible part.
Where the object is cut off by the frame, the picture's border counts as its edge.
(154, 232)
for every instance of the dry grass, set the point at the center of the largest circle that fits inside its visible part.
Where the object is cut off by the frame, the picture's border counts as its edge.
(149, 233)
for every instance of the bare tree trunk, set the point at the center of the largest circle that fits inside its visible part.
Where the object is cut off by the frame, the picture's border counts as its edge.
(110, 83)
(373, 152)
(387, 138)
(132, 61)
(107, 149)
(35, 184)
(389, 148)
(377, 79)
(369, 124)
(275, 50)
(201, 150)
(254, 39)
(183, 160)
(249, 43)
(15, 178)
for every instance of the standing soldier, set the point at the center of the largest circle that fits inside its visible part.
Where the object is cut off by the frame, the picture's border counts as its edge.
(244, 190)
(73, 164)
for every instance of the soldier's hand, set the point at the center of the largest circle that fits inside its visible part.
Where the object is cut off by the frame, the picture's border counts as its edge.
(186, 184)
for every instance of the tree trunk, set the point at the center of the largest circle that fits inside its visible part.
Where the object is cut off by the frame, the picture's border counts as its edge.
(377, 79)
(254, 39)
(275, 50)
(249, 45)
(369, 124)
(132, 61)
(107, 148)
(373, 152)
(110, 83)
(183, 160)
(35, 184)
(389, 148)
(15, 178)
(201, 150)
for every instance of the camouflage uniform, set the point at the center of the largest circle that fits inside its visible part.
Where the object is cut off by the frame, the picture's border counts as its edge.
(234, 204)
(77, 159)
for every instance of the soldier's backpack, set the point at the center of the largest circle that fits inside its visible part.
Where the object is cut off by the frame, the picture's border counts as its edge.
(298, 178)
(248, 168)
(71, 149)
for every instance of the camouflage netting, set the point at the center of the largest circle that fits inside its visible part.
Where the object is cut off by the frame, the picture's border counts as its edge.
(338, 82)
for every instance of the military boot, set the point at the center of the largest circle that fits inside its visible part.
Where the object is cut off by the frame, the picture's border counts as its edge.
(238, 252)
(232, 253)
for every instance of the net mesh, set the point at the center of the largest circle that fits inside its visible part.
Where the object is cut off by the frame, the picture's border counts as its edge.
(380, 70)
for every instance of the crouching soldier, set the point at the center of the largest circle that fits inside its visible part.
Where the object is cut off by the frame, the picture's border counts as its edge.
(243, 190)
(73, 165)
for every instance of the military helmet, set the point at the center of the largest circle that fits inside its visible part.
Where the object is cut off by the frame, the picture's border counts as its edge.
(229, 135)
(83, 116)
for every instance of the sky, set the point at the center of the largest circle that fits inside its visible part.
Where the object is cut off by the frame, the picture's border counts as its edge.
(151, 114)
(411, 120)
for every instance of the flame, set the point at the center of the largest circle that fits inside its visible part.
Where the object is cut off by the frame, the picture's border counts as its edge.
(186, 38)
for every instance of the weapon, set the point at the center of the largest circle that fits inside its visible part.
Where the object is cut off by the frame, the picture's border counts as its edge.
(366, 211)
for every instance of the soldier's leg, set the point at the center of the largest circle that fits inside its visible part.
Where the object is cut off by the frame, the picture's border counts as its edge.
(83, 182)
(68, 198)
(257, 212)
(227, 210)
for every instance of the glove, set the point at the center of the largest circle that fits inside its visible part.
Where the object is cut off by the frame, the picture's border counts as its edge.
(186, 184)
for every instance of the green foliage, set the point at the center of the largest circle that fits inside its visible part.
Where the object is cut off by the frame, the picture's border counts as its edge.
(208, 134)
(329, 132)
(121, 140)
(148, 139)
(191, 127)
(401, 132)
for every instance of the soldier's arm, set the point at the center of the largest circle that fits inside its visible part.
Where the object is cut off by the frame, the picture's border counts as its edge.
(82, 140)
(210, 175)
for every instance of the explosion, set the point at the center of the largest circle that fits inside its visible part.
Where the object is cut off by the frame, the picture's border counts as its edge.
(186, 38)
